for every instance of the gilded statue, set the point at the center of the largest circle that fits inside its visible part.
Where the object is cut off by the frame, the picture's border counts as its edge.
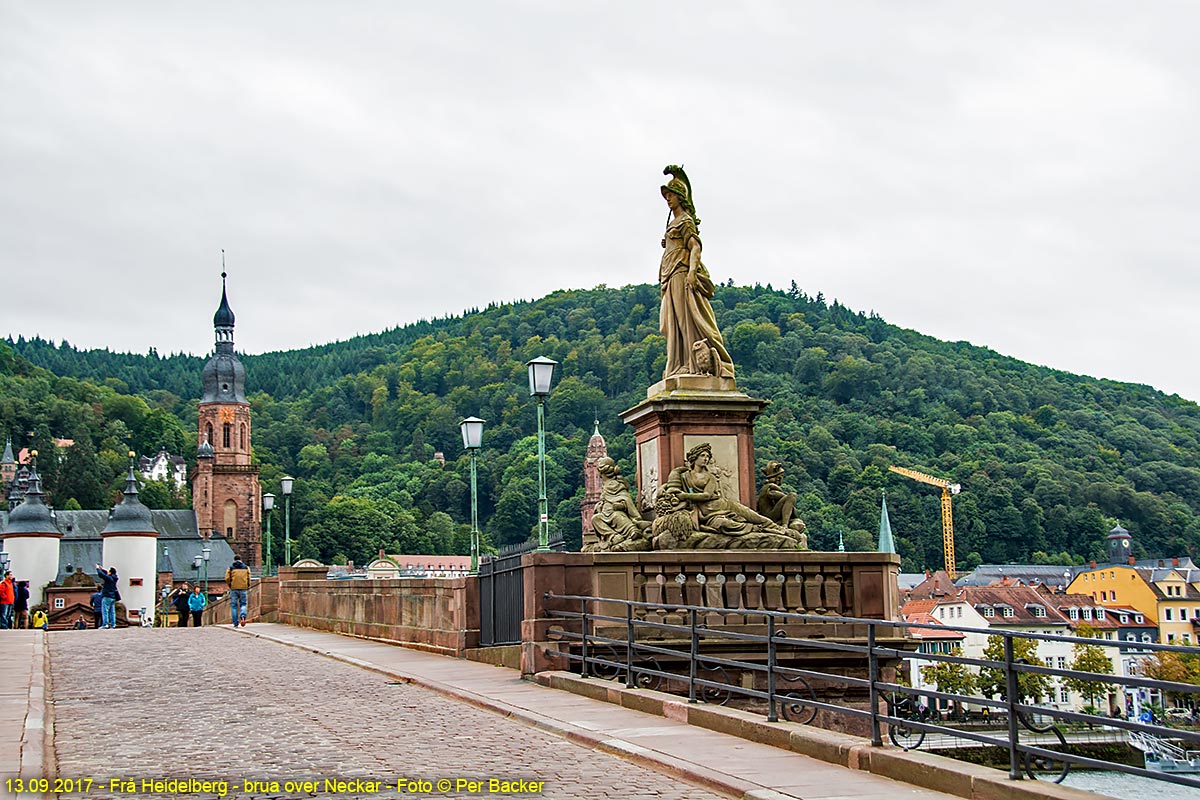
(617, 522)
(686, 318)
(780, 506)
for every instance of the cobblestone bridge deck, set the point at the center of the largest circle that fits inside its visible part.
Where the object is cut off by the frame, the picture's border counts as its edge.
(273, 704)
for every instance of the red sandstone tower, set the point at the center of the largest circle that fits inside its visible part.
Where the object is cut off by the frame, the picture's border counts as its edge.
(226, 495)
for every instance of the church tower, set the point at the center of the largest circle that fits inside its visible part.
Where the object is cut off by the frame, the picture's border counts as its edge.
(225, 492)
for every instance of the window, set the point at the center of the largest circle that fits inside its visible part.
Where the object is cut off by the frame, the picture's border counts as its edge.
(1168, 617)
(1187, 638)
(1062, 662)
(242, 436)
(1099, 613)
(1170, 638)
(1087, 613)
(1006, 611)
(1129, 637)
(988, 611)
(1112, 574)
(1124, 619)
(1182, 614)
(1139, 619)
(227, 430)
(1064, 696)
(1145, 637)
(1108, 634)
(135, 581)
(60, 602)
(1073, 613)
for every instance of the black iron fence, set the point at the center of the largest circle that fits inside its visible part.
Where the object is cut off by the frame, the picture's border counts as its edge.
(502, 593)
(668, 647)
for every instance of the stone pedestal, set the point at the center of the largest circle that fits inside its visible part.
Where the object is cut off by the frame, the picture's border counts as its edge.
(684, 411)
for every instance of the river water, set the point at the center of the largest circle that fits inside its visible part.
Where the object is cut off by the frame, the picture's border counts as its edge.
(1128, 787)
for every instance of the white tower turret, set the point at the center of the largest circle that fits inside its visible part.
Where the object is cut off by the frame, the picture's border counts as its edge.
(32, 538)
(131, 545)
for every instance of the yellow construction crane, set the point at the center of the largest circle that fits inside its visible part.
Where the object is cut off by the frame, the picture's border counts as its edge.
(948, 489)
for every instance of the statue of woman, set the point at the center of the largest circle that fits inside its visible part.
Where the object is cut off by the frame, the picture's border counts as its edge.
(694, 486)
(617, 522)
(694, 344)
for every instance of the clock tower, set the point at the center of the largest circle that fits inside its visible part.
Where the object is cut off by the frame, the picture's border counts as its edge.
(226, 495)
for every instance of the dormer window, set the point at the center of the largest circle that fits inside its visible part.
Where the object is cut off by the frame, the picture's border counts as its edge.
(1006, 611)
(1087, 613)
(1139, 619)
(1124, 619)
(988, 611)
(1073, 613)
(1099, 613)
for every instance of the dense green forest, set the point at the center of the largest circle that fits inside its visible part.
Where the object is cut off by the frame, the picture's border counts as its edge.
(1048, 461)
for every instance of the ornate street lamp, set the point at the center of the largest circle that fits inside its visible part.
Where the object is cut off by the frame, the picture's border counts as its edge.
(285, 486)
(268, 504)
(472, 436)
(541, 371)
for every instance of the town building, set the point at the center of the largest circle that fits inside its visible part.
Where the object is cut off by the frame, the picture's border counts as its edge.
(163, 466)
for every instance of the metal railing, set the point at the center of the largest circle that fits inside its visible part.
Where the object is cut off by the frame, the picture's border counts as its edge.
(638, 643)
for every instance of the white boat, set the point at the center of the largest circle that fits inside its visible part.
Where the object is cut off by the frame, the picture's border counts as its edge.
(1163, 756)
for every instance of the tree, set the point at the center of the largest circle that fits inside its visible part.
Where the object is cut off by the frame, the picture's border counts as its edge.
(950, 677)
(1089, 658)
(1030, 685)
(1166, 665)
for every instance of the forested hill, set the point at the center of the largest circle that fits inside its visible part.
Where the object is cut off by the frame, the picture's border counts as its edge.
(1048, 461)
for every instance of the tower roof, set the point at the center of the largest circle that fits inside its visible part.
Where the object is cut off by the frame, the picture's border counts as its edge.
(129, 515)
(224, 316)
(33, 515)
(7, 458)
(887, 544)
(224, 377)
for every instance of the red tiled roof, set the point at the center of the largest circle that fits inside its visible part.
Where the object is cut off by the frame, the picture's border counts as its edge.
(930, 633)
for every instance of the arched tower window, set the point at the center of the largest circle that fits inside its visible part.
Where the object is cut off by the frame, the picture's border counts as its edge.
(228, 434)
(208, 437)
(230, 520)
(242, 436)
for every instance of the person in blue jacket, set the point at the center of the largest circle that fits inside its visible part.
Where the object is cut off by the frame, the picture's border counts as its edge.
(108, 596)
(197, 602)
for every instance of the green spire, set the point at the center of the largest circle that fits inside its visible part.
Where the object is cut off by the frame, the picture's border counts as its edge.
(841, 543)
(886, 543)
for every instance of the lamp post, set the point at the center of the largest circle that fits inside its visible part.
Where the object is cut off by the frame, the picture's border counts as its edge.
(285, 486)
(541, 371)
(268, 504)
(472, 436)
(204, 556)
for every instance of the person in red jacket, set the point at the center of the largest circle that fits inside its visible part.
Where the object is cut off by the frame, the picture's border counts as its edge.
(8, 594)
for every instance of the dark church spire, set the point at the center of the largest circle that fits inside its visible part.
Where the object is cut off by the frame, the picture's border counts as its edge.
(224, 377)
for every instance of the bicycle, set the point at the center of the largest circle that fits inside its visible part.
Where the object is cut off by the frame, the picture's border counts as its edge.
(904, 707)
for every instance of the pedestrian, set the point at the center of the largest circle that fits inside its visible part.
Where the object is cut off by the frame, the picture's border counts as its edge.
(197, 602)
(40, 620)
(21, 605)
(237, 578)
(7, 596)
(181, 604)
(97, 598)
(108, 596)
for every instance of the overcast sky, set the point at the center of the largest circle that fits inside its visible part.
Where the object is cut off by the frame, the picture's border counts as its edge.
(1018, 175)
